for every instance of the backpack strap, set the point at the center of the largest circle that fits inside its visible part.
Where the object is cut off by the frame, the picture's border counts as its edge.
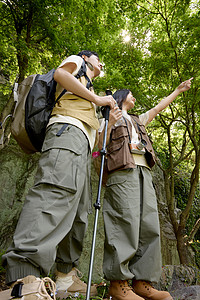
(3, 129)
(82, 72)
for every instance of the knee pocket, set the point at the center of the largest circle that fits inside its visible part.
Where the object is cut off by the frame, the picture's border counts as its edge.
(59, 166)
(118, 194)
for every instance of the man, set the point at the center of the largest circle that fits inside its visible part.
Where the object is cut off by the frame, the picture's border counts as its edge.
(54, 217)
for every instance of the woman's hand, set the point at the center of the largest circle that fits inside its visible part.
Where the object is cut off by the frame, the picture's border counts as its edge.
(115, 115)
(184, 86)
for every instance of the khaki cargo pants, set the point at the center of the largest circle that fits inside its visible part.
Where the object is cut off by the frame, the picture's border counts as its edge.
(54, 217)
(132, 233)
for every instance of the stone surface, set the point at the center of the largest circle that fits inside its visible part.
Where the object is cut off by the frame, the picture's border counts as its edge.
(187, 293)
(181, 281)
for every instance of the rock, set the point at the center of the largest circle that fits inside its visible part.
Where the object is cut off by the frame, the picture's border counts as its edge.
(187, 293)
(181, 281)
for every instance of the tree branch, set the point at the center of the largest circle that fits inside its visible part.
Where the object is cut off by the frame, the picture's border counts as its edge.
(194, 230)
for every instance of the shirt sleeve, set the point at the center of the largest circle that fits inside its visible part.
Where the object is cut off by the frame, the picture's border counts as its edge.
(144, 118)
(102, 125)
(73, 59)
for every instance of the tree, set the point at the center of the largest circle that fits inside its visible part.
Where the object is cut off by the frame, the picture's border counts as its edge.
(163, 52)
(174, 55)
(35, 35)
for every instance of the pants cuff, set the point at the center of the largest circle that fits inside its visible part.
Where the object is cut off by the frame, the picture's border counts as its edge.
(64, 268)
(20, 271)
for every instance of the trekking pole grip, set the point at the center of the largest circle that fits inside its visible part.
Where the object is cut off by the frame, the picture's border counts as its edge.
(106, 109)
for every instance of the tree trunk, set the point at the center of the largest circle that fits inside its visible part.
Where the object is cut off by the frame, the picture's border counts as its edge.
(182, 246)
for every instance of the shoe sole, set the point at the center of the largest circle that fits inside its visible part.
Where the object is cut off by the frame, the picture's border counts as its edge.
(168, 298)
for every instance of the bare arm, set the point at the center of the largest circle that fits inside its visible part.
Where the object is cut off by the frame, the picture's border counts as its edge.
(65, 78)
(184, 86)
(115, 115)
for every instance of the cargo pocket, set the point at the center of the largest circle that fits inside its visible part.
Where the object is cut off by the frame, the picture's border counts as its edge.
(117, 178)
(115, 195)
(59, 163)
(118, 153)
(116, 157)
(120, 192)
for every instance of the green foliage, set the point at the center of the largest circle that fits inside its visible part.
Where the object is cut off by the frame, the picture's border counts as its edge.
(2, 270)
(35, 34)
(163, 50)
(196, 248)
(182, 189)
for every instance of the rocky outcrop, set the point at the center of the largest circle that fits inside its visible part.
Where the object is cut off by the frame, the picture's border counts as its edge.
(181, 281)
(16, 176)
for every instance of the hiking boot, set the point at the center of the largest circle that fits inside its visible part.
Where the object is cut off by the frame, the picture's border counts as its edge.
(30, 288)
(71, 285)
(146, 290)
(120, 290)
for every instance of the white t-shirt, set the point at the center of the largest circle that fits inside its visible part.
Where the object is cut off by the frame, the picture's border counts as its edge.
(88, 131)
(139, 159)
(143, 119)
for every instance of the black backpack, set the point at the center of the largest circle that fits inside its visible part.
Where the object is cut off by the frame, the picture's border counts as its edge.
(35, 99)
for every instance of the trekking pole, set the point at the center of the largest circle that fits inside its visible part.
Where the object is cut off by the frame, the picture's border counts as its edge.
(97, 204)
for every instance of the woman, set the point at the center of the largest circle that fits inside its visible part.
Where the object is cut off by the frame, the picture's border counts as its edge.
(132, 232)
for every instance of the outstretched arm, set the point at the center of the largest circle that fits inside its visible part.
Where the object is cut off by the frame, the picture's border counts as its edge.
(184, 86)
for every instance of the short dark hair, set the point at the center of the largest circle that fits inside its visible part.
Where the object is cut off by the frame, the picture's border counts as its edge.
(87, 53)
(120, 96)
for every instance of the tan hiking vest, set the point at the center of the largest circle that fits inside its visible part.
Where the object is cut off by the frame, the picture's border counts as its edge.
(119, 156)
(76, 107)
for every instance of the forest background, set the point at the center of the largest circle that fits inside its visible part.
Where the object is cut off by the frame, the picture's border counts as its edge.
(149, 47)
